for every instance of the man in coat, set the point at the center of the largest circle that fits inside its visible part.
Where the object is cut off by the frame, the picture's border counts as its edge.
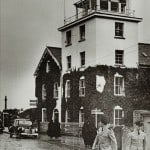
(137, 139)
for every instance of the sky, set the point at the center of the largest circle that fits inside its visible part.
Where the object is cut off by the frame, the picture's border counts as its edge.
(26, 28)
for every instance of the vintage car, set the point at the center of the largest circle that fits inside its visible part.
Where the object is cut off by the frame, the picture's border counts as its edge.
(1, 126)
(23, 128)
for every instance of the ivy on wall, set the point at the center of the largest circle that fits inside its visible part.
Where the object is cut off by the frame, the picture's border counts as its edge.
(135, 80)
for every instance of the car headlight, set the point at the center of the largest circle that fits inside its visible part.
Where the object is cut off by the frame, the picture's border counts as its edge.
(23, 129)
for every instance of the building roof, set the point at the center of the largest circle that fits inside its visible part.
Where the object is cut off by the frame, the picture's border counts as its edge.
(54, 52)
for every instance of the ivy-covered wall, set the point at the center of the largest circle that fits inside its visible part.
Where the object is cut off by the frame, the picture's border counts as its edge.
(48, 79)
(106, 101)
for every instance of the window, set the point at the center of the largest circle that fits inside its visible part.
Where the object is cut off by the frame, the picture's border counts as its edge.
(44, 115)
(67, 89)
(48, 66)
(123, 6)
(56, 90)
(119, 55)
(119, 85)
(68, 116)
(118, 115)
(82, 86)
(68, 62)
(115, 6)
(43, 92)
(56, 114)
(82, 58)
(104, 4)
(82, 32)
(119, 29)
(68, 38)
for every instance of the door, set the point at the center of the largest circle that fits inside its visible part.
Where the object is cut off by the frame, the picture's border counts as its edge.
(147, 129)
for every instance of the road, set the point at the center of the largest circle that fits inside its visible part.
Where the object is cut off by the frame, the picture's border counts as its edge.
(7, 143)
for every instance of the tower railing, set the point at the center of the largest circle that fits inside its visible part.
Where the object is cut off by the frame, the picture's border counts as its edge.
(84, 13)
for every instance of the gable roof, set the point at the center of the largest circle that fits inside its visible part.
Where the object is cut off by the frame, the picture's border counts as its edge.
(55, 53)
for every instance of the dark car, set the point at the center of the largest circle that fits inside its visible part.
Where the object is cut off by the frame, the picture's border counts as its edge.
(1, 127)
(23, 128)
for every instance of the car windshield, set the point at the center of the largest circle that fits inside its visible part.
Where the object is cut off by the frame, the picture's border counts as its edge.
(23, 122)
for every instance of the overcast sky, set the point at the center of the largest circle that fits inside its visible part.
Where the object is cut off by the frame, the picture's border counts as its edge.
(26, 27)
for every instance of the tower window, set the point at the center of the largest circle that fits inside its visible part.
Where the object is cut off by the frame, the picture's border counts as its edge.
(104, 4)
(68, 62)
(119, 29)
(68, 38)
(119, 54)
(114, 6)
(82, 32)
(82, 58)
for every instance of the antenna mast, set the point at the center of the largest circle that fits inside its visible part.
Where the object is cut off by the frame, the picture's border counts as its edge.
(64, 12)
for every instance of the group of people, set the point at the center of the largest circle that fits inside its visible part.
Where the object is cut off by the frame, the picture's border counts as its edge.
(104, 138)
(54, 129)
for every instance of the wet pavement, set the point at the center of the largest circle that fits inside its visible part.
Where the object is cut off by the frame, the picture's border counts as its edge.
(43, 142)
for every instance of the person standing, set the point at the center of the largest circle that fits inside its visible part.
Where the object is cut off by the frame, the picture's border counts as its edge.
(57, 130)
(105, 138)
(50, 131)
(88, 133)
(85, 133)
(137, 139)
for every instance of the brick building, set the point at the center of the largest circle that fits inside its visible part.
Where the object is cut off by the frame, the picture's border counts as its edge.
(47, 80)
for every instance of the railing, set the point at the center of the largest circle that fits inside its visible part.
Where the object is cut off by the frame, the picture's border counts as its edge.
(127, 12)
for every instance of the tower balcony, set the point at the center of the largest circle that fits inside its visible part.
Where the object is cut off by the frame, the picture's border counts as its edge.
(108, 7)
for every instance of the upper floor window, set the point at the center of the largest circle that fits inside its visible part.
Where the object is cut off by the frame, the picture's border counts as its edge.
(48, 66)
(119, 85)
(118, 115)
(68, 37)
(82, 58)
(82, 32)
(55, 90)
(43, 92)
(123, 6)
(119, 29)
(114, 6)
(82, 86)
(68, 62)
(104, 4)
(119, 57)
(67, 89)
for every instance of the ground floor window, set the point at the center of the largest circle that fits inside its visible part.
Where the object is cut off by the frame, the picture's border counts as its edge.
(81, 116)
(118, 115)
(56, 114)
(44, 115)
(68, 116)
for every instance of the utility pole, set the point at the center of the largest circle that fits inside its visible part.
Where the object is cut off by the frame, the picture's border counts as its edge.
(5, 102)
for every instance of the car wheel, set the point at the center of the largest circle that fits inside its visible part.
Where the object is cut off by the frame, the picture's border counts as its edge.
(34, 136)
(11, 135)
